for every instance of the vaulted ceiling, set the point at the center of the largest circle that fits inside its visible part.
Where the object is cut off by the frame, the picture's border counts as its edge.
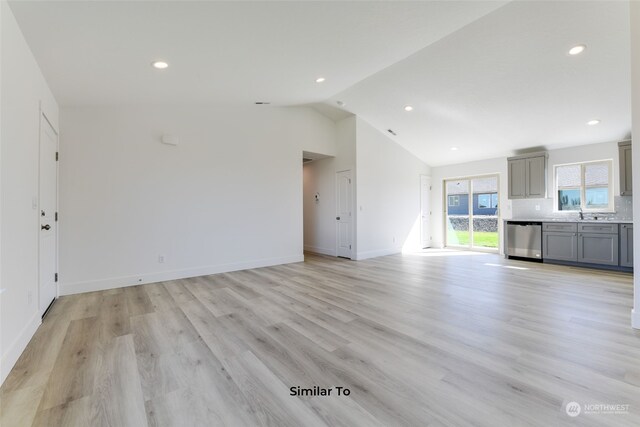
(487, 78)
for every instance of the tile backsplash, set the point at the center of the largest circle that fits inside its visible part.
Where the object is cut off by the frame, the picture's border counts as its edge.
(526, 208)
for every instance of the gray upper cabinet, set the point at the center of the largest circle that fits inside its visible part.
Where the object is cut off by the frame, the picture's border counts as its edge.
(517, 178)
(528, 176)
(536, 180)
(626, 181)
(626, 245)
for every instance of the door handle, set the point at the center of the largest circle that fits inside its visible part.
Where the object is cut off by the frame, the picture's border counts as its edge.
(45, 227)
(338, 218)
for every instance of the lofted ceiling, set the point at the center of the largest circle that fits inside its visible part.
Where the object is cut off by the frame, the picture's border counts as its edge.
(506, 83)
(487, 78)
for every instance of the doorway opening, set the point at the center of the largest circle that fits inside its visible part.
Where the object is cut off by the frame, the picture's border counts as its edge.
(472, 206)
(320, 205)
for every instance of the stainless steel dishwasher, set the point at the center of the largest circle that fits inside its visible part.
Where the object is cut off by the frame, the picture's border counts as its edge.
(524, 239)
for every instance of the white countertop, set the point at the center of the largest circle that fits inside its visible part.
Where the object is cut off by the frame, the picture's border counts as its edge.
(611, 221)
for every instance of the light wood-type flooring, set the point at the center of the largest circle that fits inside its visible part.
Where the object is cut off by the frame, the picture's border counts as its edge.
(440, 338)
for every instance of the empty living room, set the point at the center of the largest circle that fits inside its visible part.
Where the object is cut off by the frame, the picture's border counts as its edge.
(319, 213)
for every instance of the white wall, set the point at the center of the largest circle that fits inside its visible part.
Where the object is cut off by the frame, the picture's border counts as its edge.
(388, 194)
(228, 197)
(635, 100)
(23, 88)
(346, 160)
(2, 375)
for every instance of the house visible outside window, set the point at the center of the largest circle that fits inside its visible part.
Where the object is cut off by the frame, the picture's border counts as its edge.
(587, 186)
(488, 201)
(454, 200)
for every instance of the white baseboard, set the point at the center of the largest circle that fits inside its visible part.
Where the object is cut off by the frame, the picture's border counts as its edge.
(16, 348)
(121, 282)
(318, 250)
(380, 252)
(635, 319)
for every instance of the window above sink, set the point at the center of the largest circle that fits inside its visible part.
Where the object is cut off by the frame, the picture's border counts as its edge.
(584, 186)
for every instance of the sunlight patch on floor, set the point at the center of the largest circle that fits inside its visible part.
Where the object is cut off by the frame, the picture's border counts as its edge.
(446, 252)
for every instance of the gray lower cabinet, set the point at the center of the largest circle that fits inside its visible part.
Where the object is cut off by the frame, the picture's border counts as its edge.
(626, 245)
(560, 246)
(598, 248)
(600, 243)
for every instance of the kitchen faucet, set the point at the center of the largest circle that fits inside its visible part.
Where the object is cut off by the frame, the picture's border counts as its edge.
(581, 215)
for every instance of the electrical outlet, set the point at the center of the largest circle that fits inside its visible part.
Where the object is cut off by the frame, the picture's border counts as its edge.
(161, 259)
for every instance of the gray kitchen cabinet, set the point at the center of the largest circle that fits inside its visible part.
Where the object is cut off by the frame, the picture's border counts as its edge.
(626, 245)
(567, 227)
(517, 178)
(527, 176)
(626, 181)
(598, 248)
(536, 178)
(559, 246)
(594, 227)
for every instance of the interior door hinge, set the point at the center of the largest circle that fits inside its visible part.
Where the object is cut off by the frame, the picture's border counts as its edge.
(56, 277)
(57, 156)
(56, 216)
(349, 246)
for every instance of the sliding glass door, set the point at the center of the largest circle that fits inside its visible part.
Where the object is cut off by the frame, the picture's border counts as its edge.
(472, 212)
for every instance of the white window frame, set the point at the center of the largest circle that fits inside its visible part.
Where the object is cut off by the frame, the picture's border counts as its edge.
(583, 199)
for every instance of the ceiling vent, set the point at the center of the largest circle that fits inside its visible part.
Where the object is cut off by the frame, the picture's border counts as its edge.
(391, 132)
(262, 103)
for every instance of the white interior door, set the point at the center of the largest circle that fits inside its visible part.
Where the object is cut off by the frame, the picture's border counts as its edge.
(344, 218)
(48, 206)
(425, 211)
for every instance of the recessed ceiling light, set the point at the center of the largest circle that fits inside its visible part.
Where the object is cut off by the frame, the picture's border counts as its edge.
(593, 122)
(320, 79)
(160, 65)
(454, 148)
(408, 108)
(576, 50)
